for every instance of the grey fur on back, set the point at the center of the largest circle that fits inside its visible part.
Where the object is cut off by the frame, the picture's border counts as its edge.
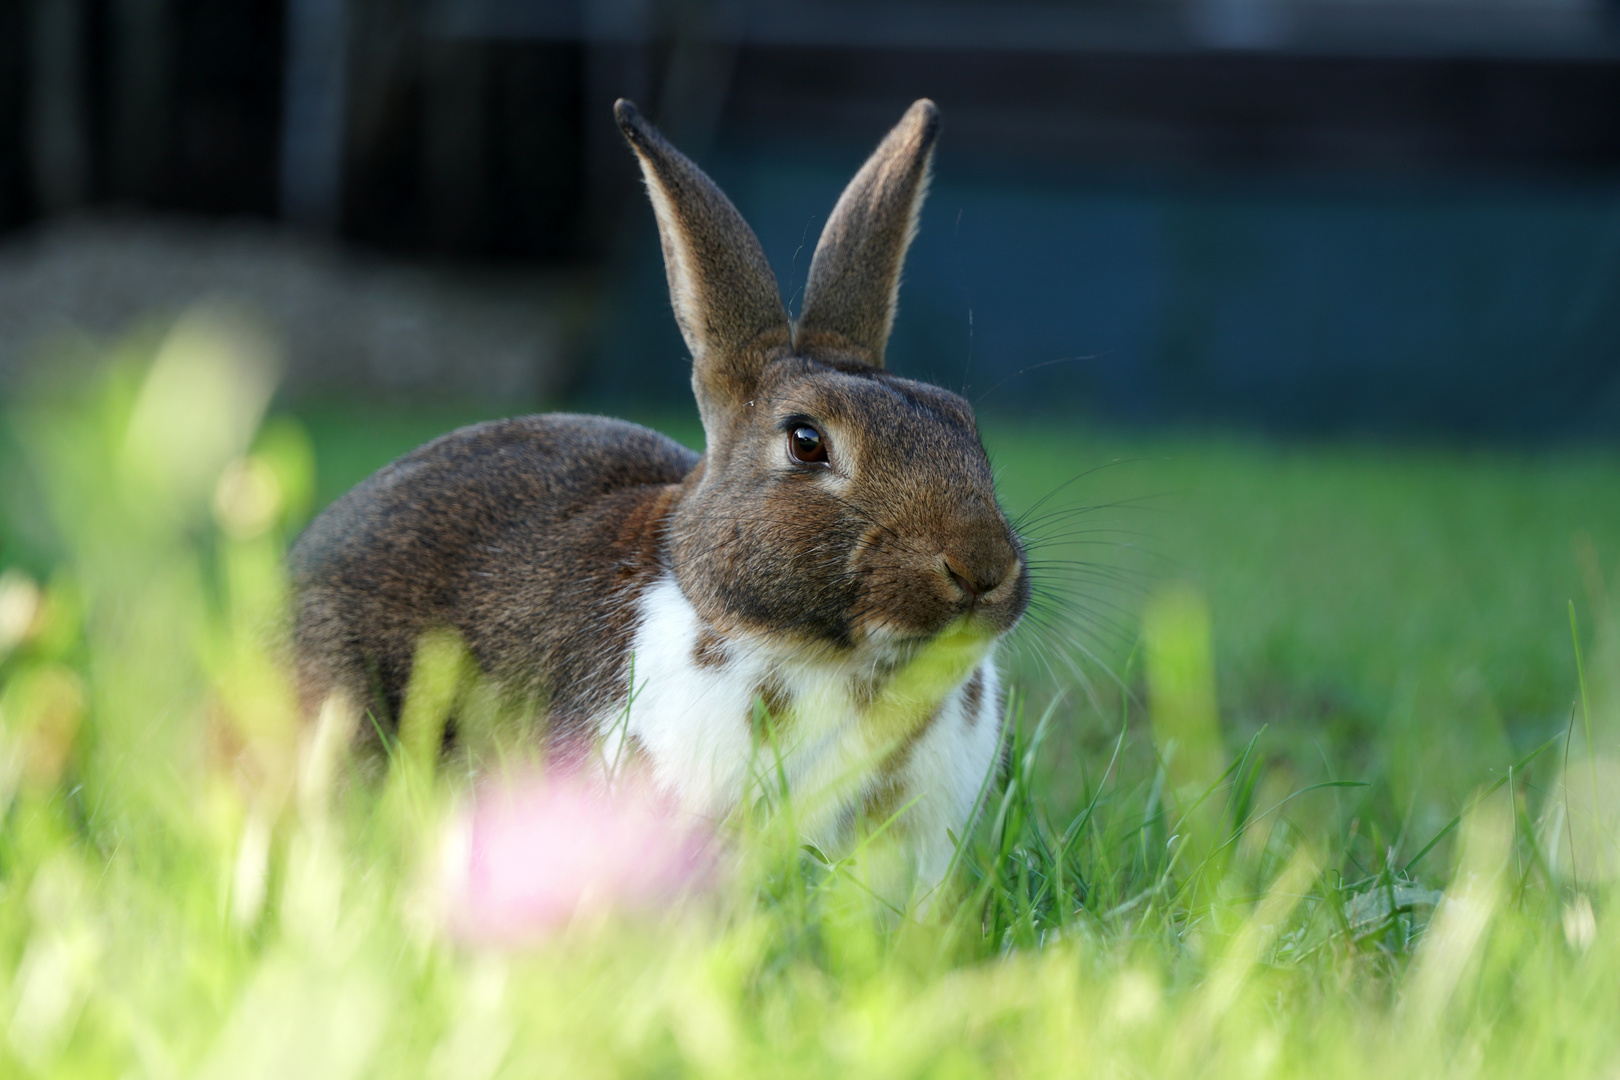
(498, 531)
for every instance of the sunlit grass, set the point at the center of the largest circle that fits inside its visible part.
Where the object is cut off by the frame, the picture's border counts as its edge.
(1334, 803)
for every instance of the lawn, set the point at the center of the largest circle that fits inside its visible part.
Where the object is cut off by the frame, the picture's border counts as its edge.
(1298, 783)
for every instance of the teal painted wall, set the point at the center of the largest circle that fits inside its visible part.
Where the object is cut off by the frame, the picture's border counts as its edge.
(1449, 305)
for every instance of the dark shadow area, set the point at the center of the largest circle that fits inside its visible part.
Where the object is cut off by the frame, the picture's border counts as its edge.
(1305, 217)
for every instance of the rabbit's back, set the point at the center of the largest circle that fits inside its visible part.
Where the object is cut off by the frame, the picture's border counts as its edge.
(532, 538)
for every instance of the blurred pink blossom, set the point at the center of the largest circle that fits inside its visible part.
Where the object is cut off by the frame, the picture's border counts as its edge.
(525, 857)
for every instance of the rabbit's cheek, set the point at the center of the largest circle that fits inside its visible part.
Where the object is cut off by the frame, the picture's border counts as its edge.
(771, 570)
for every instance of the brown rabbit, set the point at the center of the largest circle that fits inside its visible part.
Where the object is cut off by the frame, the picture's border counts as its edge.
(838, 554)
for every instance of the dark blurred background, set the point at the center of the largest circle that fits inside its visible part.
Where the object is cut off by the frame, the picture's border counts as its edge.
(1385, 216)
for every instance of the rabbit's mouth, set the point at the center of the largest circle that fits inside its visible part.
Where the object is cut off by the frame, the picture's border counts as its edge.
(910, 609)
(982, 618)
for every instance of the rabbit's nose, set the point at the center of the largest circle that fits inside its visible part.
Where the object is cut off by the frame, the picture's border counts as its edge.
(974, 582)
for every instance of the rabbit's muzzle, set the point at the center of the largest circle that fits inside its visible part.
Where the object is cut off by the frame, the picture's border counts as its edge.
(969, 568)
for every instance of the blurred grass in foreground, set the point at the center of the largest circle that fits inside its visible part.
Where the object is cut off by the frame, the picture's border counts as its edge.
(196, 882)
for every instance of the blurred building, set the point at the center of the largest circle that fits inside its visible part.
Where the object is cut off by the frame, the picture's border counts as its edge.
(1309, 214)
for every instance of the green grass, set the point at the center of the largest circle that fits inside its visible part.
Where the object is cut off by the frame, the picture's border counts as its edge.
(1284, 694)
(1397, 615)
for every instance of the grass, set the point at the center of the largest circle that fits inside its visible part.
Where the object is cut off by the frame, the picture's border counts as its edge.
(1301, 780)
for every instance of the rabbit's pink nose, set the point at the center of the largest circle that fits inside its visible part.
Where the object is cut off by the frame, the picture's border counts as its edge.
(974, 583)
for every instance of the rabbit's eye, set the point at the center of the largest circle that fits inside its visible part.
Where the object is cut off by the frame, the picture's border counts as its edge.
(807, 446)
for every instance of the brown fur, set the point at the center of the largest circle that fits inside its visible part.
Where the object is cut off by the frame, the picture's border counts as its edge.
(776, 699)
(710, 650)
(973, 696)
(883, 798)
(535, 538)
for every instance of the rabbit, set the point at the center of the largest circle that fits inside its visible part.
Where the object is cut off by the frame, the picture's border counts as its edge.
(836, 566)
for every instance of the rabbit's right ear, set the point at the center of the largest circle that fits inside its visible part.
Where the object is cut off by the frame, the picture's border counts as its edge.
(725, 297)
(854, 281)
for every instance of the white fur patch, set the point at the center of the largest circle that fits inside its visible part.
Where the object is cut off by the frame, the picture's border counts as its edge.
(694, 722)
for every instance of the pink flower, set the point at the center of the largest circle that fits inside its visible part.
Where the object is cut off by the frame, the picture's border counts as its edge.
(524, 858)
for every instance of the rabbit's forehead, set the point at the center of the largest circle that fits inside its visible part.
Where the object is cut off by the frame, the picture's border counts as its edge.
(880, 409)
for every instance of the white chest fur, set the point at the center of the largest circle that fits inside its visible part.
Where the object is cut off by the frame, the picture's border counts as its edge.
(916, 741)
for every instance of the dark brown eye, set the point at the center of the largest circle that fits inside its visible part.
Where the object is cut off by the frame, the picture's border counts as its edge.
(807, 445)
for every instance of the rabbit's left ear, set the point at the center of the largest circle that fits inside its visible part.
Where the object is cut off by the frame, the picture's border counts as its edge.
(854, 280)
(722, 289)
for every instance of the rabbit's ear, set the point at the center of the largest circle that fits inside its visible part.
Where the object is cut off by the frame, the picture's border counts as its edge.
(855, 274)
(724, 294)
